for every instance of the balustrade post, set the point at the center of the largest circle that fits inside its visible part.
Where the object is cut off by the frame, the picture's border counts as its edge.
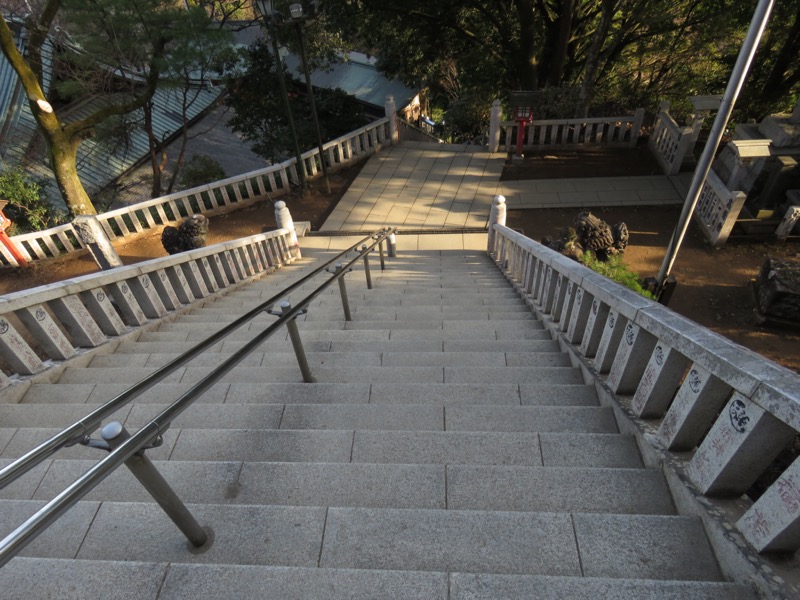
(744, 440)
(631, 359)
(699, 398)
(391, 114)
(609, 342)
(495, 126)
(773, 522)
(94, 238)
(283, 218)
(659, 381)
(497, 214)
(392, 246)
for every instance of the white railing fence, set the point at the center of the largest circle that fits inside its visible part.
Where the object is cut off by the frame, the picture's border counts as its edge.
(55, 322)
(546, 133)
(719, 411)
(669, 142)
(215, 198)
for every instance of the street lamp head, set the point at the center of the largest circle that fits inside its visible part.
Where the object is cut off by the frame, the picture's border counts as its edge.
(264, 7)
(296, 10)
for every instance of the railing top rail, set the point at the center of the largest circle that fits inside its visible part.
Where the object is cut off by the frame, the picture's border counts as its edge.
(22, 535)
(576, 121)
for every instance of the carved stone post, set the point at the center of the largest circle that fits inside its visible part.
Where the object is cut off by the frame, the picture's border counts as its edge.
(494, 126)
(94, 239)
(391, 114)
(283, 218)
(497, 214)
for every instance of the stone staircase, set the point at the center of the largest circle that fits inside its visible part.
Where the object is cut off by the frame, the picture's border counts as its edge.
(449, 449)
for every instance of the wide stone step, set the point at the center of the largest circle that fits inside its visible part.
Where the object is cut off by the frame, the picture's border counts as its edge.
(344, 374)
(360, 298)
(565, 544)
(518, 543)
(366, 485)
(497, 331)
(321, 393)
(346, 359)
(181, 581)
(594, 450)
(202, 327)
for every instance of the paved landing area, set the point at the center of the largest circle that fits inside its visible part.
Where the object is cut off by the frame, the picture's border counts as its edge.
(430, 186)
(420, 186)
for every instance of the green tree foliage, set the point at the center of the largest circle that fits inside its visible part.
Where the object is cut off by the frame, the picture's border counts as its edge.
(26, 208)
(623, 52)
(260, 112)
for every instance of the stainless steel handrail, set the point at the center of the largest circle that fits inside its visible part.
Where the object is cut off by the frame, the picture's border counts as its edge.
(25, 533)
(77, 431)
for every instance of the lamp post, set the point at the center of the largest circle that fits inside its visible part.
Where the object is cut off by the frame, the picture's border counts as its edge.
(265, 8)
(299, 19)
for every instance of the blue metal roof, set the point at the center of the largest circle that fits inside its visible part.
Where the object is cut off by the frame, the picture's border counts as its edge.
(358, 76)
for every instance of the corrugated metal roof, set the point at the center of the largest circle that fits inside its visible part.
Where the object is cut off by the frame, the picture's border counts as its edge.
(358, 76)
(99, 164)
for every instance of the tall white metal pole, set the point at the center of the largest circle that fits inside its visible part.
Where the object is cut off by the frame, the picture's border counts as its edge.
(735, 83)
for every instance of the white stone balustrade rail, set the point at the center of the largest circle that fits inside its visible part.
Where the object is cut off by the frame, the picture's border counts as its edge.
(545, 133)
(215, 198)
(54, 322)
(670, 142)
(717, 209)
(728, 411)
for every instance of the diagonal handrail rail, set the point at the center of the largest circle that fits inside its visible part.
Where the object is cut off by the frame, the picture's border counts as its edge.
(77, 431)
(15, 541)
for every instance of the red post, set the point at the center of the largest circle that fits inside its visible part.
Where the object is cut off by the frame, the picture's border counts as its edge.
(523, 116)
(5, 223)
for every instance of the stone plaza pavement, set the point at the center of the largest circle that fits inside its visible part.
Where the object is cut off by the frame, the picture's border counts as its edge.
(418, 186)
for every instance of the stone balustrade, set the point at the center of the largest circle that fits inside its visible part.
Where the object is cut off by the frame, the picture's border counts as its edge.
(544, 133)
(717, 409)
(54, 322)
(669, 142)
(215, 198)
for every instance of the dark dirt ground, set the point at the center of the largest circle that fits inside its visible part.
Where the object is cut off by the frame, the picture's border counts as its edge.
(713, 285)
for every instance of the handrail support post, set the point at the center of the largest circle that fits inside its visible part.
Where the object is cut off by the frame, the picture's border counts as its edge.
(380, 253)
(343, 293)
(297, 344)
(366, 267)
(147, 474)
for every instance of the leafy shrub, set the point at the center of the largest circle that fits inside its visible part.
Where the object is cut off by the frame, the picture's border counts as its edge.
(26, 208)
(616, 270)
(199, 170)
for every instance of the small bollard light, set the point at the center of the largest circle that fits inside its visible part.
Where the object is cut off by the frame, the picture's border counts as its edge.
(392, 245)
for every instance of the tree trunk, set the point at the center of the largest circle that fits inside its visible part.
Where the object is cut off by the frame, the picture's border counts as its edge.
(526, 68)
(593, 59)
(63, 161)
(559, 56)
